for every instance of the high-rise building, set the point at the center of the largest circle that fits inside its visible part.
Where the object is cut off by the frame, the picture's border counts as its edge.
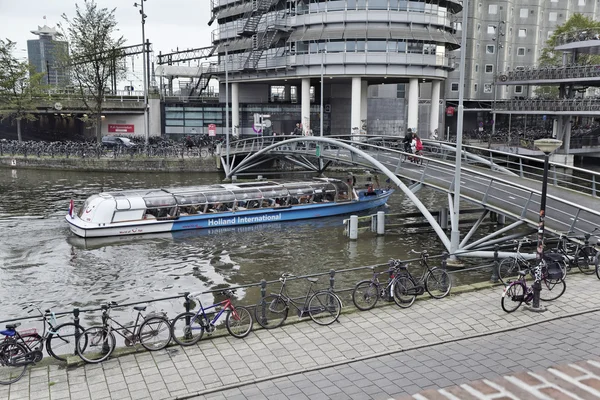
(44, 53)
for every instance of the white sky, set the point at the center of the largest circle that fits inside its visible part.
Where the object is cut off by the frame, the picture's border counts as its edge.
(170, 24)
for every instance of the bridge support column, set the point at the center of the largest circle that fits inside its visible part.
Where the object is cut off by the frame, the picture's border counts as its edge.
(434, 116)
(501, 219)
(364, 92)
(235, 109)
(305, 98)
(413, 105)
(444, 218)
(355, 107)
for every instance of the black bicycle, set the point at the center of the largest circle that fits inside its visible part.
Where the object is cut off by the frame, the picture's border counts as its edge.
(434, 280)
(367, 293)
(153, 331)
(322, 306)
(24, 347)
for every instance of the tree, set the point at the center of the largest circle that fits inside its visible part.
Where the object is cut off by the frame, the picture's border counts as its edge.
(93, 58)
(20, 87)
(553, 58)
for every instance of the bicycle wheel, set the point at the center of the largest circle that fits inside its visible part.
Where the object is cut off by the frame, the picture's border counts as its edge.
(12, 363)
(187, 329)
(324, 307)
(239, 322)
(438, 283)
(62, 340)
(405, 291)
(513, 296)
(508, 268)
(365, 295)
(552, 289)
(95, 344)
(585, 260)
(155, 333)
(271, 311)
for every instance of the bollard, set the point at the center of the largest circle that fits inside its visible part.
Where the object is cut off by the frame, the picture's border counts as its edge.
(444, 218)
(331, 284)
(501, 219)
(78, 329)
(263, 294)
(353, 227)
(188, 319)
(495, 275)
(234, 178)
(380, 222)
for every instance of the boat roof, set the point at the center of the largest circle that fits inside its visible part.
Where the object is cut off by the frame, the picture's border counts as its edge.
(222, 187)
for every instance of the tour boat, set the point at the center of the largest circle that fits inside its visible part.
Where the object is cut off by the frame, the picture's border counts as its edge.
(139, 211)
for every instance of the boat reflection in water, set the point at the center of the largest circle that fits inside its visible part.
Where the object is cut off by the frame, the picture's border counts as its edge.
(215, 207)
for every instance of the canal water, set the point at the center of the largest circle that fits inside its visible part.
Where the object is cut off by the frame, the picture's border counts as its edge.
(43, 263)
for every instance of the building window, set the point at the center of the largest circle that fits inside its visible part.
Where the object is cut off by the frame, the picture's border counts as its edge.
(478, 28)
(524, 12)
(476, 67)
(475, 88)
(490, 49)
(518, 89)
(454, 87)
(400, 91)
(489, 69)
(522, 32)
(491, 29)
(458, 26)
(487, 88)
(493, 9)
(581, 3)
(552, 16)
(520, 51)
(550, 33)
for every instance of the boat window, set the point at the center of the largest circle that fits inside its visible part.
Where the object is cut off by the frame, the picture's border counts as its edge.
(274, 192)
(220, 197)
(86, 204)
(190, 198)
(248, 194)
(157, 201)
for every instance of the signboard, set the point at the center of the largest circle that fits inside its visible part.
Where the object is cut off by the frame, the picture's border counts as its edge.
(121, 128)
(212, 130)
(450, 111)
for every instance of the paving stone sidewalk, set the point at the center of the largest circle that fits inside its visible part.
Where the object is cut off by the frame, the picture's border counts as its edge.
(297, 349)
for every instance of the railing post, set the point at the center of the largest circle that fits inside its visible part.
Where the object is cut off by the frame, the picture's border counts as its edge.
(521, 167)
(263, 294)
(187, 305)
(496, 267)
(594, 185)
(331, 279)
(77, 328)
(105, 347)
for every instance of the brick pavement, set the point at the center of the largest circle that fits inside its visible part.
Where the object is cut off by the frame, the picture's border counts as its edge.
(374, 354)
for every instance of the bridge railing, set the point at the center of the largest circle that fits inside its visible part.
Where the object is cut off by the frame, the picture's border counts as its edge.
(517, 199)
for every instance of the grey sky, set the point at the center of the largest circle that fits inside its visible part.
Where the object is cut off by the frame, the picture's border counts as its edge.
(170, 23)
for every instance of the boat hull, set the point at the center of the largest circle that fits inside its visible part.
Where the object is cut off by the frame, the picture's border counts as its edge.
(228, 219)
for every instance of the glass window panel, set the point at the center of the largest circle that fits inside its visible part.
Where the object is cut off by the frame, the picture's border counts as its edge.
(171, 114)
(378, 5)
(351, 46)
(218, 116)
(402, 46)
(194, 122)
(360, 46)
(335, 47)
(376, 45)
(174, 122)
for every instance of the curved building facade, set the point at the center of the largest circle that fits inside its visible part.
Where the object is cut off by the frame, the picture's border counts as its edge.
(277, 51)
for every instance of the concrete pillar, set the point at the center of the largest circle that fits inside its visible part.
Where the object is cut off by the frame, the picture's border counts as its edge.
(444, 218)
(287, 93)
(380, 222)
(555, 129)
(501, 219)
(413, 104)
(567, 134)
(305, 101)
(355, 107)
(155, 126)
(353, 230)
(364, 92)
(434, 117)
(235, 109)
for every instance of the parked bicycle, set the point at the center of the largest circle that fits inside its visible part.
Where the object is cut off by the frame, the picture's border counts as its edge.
(586, 254)
(21, 348)
(517, 292)
(322, 306)
(434, 280)
(509, 267)
(152, 331)
(367, 293)
(189, 327)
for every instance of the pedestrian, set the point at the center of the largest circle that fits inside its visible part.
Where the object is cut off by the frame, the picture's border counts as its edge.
(407, 140)
(297, 130)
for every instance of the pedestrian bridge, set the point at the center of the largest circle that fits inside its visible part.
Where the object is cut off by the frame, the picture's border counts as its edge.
(500, 182)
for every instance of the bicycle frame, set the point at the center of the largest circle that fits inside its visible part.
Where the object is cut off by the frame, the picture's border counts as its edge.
(225, 304)
(36, 340)
(133, 336)
(289, 300)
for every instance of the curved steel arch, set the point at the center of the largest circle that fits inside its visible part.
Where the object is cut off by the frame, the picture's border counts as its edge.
(432, 221)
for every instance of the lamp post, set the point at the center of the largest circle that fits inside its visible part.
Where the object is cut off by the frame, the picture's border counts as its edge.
(547, 146)
(144, 55)
(227, 105)
(499, 34)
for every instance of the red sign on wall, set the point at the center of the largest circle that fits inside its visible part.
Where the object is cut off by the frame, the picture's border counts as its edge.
(121, 128)
(450, 111)
(212, 130)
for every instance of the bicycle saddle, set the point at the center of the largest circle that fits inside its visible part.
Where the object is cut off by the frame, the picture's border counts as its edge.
(522, 273)
(13, 326)
(312, 280)
(140, 307)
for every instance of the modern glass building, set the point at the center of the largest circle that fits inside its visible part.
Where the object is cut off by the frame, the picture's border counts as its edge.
(43, 54)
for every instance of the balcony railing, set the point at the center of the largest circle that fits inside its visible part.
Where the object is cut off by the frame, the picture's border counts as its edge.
(585, 104)
(551, 73)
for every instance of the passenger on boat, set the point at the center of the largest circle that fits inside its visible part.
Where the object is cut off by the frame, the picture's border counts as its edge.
(370, 190)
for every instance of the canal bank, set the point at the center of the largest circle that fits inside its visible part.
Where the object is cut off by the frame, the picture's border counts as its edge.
(109, 164)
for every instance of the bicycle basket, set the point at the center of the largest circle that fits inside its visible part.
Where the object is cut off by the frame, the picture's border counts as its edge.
(553, 265)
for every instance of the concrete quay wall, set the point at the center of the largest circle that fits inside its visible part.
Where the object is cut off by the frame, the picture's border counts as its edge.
(122, 164)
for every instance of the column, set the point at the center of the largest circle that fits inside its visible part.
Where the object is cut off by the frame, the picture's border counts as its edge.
(364, 92)
(287, 93)
(355, 107)
(434, 116)
(567, 134)
(305, 98)
(235, 109)
(413, 105)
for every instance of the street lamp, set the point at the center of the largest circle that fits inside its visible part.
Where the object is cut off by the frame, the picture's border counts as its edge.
(144, 55)
(226, 45)
(547, 146)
